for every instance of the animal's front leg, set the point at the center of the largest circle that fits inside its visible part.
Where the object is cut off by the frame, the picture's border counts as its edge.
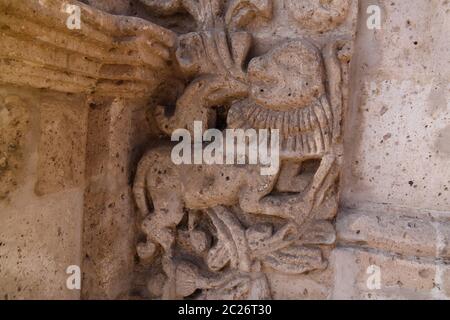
(283, 206)
(316, 191)
(297, 207)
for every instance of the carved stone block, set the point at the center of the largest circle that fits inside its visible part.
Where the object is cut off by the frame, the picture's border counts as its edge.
(220, 231)
(194, 149)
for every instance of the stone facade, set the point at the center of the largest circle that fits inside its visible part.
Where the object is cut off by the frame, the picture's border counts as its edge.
(92, 94)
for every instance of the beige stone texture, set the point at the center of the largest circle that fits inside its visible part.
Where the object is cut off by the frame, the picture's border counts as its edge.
(40, 233)
(62, 145)
(51, 76)
(14, 128)
(359, 207)
(397, 234)
(285, 287)
(400, 277)
(395, 183)
(398, 121)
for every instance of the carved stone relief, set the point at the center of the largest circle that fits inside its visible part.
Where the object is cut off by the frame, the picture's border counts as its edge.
(68, 104)
(217, 231)
(88, 114)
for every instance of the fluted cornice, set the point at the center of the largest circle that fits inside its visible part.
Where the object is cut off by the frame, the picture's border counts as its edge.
(110, 55)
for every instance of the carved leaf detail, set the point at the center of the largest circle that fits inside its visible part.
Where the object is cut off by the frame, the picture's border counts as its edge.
(218, 76)
(166, 7)
(217, 257)
(241, 12)
(319, 15)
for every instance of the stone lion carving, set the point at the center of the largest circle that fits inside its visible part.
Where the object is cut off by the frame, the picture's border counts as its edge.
(305, 117)
(215, 229)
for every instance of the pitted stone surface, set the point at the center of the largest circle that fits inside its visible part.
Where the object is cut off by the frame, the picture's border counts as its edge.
(358, 208)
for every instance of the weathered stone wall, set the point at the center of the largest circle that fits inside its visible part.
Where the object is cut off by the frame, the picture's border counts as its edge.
(77, 115)
(44, 143)
(67, 144)
(395, 191)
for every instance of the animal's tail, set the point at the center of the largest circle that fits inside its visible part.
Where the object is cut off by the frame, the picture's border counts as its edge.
(140, 184)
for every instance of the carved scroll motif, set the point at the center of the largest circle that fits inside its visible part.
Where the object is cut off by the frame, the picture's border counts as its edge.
(216, 232)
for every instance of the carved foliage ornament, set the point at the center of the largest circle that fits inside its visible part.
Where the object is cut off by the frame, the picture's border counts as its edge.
(217, 231)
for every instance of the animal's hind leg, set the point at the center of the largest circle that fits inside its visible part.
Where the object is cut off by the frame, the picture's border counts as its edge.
(160, 225)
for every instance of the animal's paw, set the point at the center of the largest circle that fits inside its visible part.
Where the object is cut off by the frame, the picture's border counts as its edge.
(146, 251)
(162, 120)
(200, 241)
